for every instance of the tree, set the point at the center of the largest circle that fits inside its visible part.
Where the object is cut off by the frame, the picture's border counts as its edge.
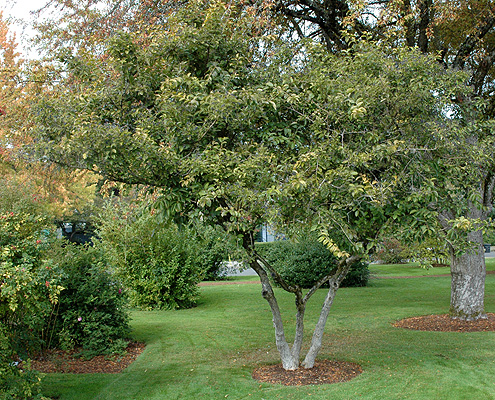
(85, 26)
(237, 131)
(461, 35)
(58, 191)
(10, 67)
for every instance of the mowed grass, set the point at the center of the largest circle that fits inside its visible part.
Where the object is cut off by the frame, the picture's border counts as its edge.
(209, 352)
(413, 269)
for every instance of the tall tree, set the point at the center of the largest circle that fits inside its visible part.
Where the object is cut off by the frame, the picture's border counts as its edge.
(60, 191)
(461, 34)
(238, 132)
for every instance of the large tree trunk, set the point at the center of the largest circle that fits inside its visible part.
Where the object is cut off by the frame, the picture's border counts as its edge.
(468, 281)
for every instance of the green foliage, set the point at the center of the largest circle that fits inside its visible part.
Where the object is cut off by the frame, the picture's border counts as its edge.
(155, 262)
(369, 114)
(291, 136)
(16, 382)
(45, 282)
(29, 290)
(391, 251)
(213, 249)
(17, 196)
(91, 313)
(304, 263)
(429, 252)
(30, 284)
(358, 275)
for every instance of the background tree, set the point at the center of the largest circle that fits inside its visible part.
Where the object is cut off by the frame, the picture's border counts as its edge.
(60, 192)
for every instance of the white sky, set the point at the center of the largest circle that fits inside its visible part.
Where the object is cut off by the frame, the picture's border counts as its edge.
(20, 9)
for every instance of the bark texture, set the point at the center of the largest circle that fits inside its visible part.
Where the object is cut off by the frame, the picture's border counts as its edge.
(468, 282)
(317, 339)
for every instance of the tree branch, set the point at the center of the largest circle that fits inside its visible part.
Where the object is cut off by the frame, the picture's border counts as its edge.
(470, 43)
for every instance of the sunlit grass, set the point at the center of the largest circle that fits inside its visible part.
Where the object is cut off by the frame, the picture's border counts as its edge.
(209, 352)
(414, 269)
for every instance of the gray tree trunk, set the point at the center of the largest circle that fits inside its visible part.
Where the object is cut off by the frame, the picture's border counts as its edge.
(299, 336)
(468, 273)
(290, 360)
(317, 339)
(334, 281)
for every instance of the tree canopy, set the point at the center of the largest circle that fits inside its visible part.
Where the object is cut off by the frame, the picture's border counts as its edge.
(57, 191)
(239, 130)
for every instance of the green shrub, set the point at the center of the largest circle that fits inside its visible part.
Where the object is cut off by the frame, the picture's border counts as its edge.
(155, 262)
(15, 382)
(213, 248)
(28, 295)
(392, 251)
(305, 262)
(91, 312)
(358, 275)
(30, 285)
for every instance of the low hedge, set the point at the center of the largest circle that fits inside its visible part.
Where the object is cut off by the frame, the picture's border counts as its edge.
(303, 263)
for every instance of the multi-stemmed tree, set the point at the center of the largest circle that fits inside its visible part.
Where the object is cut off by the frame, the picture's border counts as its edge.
(238, 131)
(460, 35)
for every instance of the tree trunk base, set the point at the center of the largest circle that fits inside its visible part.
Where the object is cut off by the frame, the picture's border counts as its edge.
(459, 315)
(467, 297)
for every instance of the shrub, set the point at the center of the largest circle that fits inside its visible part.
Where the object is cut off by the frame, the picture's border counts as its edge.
(358, 275)
(392, 251)
(28, 296)
(155, 262)
(305, 262)
(16, 383)
(213, 248)
(30, 285)
(91, 312)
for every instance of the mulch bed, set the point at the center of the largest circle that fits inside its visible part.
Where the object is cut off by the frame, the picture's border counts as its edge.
(443, 323)
(324, 371)
(327, 371)
(68, 362)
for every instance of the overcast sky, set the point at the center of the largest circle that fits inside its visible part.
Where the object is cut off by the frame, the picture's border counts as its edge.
(20, 9)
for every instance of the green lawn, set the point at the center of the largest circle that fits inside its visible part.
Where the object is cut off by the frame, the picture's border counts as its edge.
(210, 351)
(414, 269)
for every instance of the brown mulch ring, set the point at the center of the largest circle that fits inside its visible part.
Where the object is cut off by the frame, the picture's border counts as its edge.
(324, 372)
(68, 362)
(443, 323)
